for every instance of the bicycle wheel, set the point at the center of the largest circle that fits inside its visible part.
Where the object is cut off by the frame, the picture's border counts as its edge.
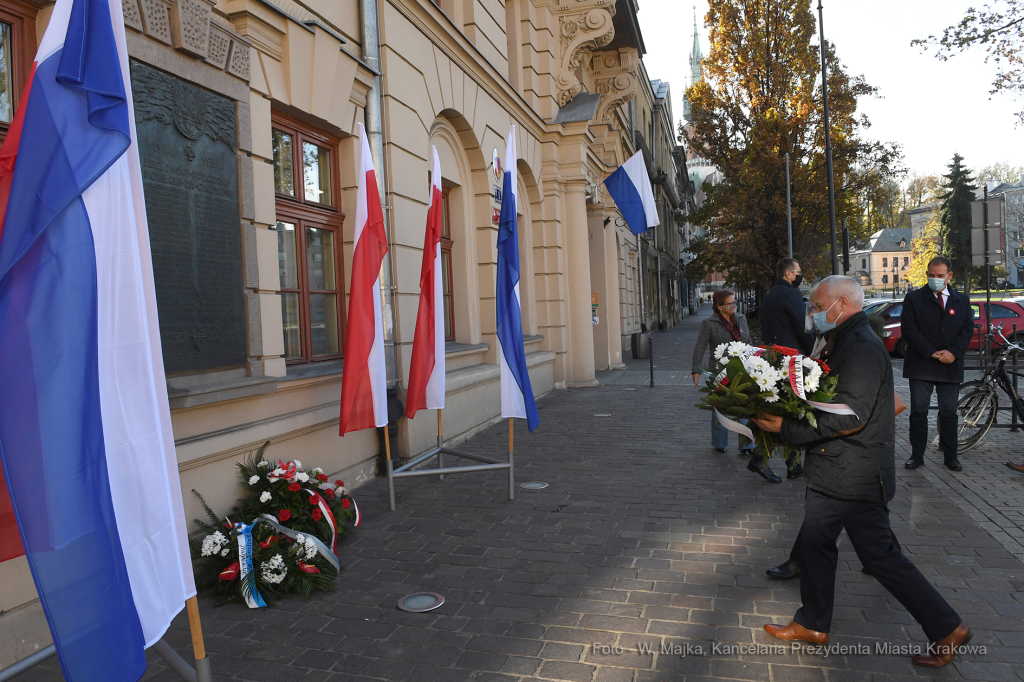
(976, 413)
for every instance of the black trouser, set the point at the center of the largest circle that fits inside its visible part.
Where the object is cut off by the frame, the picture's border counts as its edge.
(867, 525)
(920, 398)
(796, 554)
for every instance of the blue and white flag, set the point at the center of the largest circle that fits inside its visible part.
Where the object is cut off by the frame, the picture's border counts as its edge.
(630, 187)
(85, 427)
(516, 392)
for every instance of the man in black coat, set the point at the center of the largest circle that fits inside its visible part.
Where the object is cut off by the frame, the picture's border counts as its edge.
(850, 473)
(937, 322)
(782, 311)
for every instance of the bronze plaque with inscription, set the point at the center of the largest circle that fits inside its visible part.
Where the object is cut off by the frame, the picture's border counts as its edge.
(190, 175)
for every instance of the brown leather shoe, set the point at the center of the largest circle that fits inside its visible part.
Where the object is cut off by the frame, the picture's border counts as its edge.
(1016, 467)
(940, 653)
(796, 633)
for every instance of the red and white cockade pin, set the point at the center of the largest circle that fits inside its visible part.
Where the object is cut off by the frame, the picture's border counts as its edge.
(952, 311)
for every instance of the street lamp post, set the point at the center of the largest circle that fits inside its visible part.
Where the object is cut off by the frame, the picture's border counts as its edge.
(828, 143)
(895, 274)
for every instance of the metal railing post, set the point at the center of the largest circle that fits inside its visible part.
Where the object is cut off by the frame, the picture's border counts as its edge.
(1013, 410)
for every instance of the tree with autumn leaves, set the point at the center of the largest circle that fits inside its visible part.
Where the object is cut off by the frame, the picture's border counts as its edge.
(759, 98)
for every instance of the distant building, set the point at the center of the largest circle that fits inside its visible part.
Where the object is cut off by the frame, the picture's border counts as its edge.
(1011, 197)
(883, 265)
(920, 216)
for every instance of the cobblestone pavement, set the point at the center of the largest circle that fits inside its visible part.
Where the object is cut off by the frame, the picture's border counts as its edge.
(642, 561)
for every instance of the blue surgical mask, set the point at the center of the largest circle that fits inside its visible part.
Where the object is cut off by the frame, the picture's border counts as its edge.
(936, 283)
(823, 325)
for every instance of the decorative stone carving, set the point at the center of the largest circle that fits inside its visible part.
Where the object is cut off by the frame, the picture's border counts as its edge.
(190, 26)
(583, 26)
(615, 79)
(238, 62)
(132, 15)
(156, 19)
(219, 45)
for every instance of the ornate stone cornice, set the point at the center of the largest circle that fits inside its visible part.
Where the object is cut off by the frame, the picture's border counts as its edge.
(616, 80)
(583, 26)
(191, 27)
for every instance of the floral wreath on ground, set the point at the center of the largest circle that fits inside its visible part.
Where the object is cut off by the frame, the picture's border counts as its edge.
(282, 537)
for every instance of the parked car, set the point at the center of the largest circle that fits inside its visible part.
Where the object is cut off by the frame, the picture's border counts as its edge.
(1007, 313)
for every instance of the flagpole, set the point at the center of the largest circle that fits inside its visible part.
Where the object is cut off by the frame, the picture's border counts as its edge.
(440, 446)
(511, 470)
(203, 671)
(388, 464)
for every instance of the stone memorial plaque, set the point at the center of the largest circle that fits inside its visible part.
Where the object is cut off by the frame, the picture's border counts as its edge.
(190, 176)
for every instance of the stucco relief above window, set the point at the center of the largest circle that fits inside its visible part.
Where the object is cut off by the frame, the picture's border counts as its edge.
(615, 79)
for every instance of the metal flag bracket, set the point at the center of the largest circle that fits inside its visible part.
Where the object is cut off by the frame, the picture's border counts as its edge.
(409, 470)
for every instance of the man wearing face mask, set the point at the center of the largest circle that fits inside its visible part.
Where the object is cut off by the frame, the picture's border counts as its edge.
(782, 310)
(850, 472)
(937, 322)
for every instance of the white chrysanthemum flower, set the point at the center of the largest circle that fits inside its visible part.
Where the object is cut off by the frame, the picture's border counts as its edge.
(274, 570)
(310, 549)
(773, 398)
(720, 351)
(225, 551)
(318, 470)
(265, 496)
(300, 538)
(763, 382)
(254, 479)
(263, 464)
(212, 543)
(278, 472)
(302, 477)
(808, 363)
(298, 464)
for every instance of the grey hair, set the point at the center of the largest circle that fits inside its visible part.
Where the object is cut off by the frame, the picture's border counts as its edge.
(841, 285)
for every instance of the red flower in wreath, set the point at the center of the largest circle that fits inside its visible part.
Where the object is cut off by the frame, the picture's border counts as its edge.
(315, 499)
(329, 493)
(823, 365)
(308, 568)
(322, 478)
(269, 542)
(295, 487)
(340, 482)
(317, 514)
(724, 381)
(785, 350)
(345, 504)
(231, 572)
(284, 515)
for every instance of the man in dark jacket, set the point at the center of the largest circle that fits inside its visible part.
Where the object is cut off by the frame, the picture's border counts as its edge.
(782, 310)
(937, 322)
(851, 476)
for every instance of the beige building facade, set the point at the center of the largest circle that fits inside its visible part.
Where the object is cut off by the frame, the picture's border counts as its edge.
(296, 80)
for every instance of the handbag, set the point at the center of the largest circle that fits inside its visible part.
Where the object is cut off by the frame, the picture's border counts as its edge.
(900, 405)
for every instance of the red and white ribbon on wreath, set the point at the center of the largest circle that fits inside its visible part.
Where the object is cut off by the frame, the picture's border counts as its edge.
(833, 408)
(733, 426)
(341, 491)
(329, 516)
(796, 379)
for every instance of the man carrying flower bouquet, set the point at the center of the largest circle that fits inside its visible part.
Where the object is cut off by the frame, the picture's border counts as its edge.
(850, 472)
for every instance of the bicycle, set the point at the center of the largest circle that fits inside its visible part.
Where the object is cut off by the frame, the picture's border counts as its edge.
(977, 410)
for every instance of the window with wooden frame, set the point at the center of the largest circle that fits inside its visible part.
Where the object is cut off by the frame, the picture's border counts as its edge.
(17, 50)
(309, 241)
(446, 266)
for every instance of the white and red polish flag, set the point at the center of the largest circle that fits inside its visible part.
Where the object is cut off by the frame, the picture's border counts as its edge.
(364, 401)
(426, 374)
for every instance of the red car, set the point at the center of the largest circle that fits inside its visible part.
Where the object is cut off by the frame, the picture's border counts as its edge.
(1006, 313)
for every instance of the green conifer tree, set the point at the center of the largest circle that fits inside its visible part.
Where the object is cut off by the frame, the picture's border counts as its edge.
(955, 215)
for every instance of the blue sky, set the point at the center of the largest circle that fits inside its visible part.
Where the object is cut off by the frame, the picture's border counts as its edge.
(872, 37)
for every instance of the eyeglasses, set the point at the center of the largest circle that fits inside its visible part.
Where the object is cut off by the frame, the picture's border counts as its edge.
(729, 306)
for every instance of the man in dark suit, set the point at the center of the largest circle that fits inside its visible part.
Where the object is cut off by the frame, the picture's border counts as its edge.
(782, 314)
(937, 322)
(782, 311)
(851, 476)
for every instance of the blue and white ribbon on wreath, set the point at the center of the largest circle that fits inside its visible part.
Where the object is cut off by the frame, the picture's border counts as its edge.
(252, 596)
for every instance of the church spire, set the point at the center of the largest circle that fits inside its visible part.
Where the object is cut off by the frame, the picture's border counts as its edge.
(696, 57)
